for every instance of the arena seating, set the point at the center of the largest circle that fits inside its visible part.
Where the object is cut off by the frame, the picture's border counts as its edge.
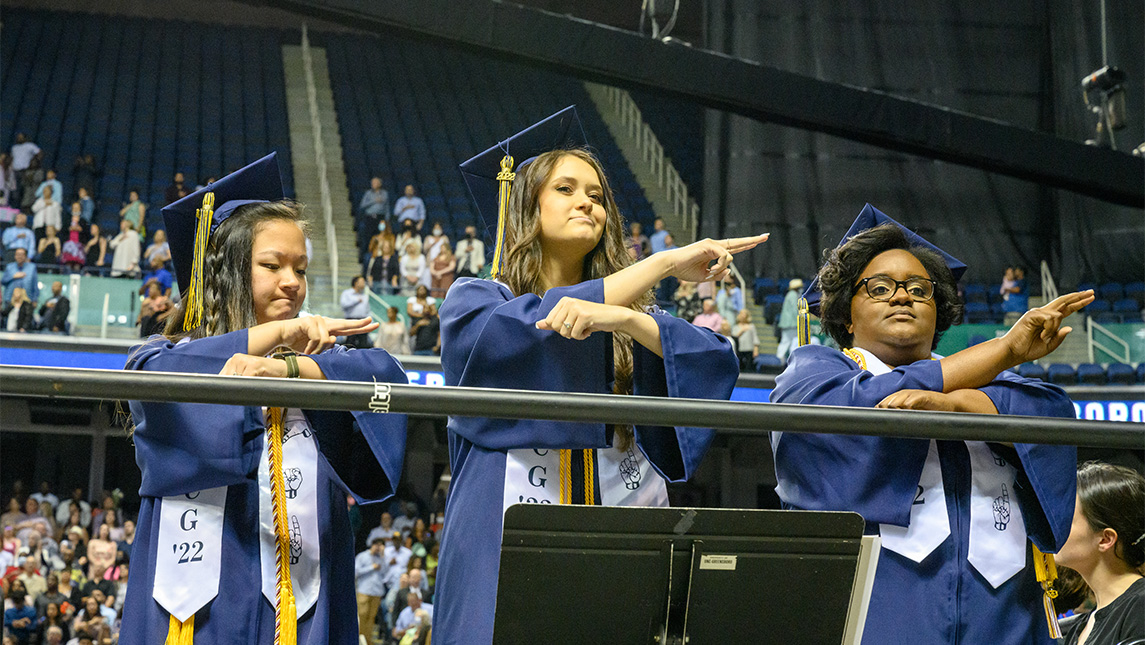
(1032, 370)
(1091, 374)
(146, 97)
(411, 112)
(679, 126)
(1121, 374)
(1062, 374)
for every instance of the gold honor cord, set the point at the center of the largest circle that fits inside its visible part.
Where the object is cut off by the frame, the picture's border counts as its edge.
(803, 321)
(1046, 571)
(589, 491)
(193, 314)
(504, 185)
(181, 632)
(285, 614)
(566, 476)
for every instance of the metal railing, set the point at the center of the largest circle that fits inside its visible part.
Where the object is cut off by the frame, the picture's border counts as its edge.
(751, 419)
(1094, 330)
(1049, 288)
(320, 159)
(652, 152)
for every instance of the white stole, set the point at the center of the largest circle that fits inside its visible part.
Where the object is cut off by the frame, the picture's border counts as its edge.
(532, 476)
(997, 531)
(188, 552)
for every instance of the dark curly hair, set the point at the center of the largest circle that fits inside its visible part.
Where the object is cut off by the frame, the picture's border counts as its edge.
(844, 266)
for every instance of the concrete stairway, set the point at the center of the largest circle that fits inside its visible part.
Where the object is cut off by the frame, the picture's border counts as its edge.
(323, 293)
(642, 169)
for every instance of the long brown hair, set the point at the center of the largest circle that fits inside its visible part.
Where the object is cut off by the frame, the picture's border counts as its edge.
(521, 268)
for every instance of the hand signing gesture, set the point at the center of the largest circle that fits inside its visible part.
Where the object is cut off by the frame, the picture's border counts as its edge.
(1039, 331)
(692, 262)
(316, 334)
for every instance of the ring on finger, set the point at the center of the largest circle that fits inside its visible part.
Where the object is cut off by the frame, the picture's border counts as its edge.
(568, 325)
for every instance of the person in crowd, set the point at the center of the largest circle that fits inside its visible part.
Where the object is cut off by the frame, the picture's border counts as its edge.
(54, 314)
(413, 267)
(417, 307)
(124, 544)
(111, 521)
(95, 249)
(19, 619)
(442, 271)
(434, 242)
(122, 574)
(408, 518)
(397, 556)
(1015, 298)
(76, 501)
(709, 318)
(426, 333)
(69, 588)
(432, 554)
(72, 255)
(45, 494)
(34, 583)
(134, 211)
(746, 341)
(420, 633)
(18, 312)
(176, 190)
(470, 254)
(101, 552)
(30, 180)
(369, 578)
(657, 241)
(1106, 546)
(90, 618)
(84, 173)
(50, 181)
(408, 235)
(52, 617)
(390, 606)
(47, 211)
(158, 249)
(729, 300)
(153, 310)
(49, 248)
(7, 179)
(372, 211)
(382, 272)
(638, 241)
(356, 306)
(410, 207)
(159, 275)
(385, 527)
(18, 236)
(394, 338)
(887, 296)
(565, 311)
(125, 259)
(23, 152)
(384, 233)
(51, 595)
(224, 461)
(87, 204)
(788, 322)
(406, 619)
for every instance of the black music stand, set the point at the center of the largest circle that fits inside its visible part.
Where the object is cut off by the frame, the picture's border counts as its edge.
(597, 574)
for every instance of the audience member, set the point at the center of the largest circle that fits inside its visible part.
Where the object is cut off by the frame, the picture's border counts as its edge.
(20, 619)
(34, 583)
(638, 242)
(657, 240)
(51, 594)
(390, 603)
(729, 299)
(54, 312)
(709, 318)
(152, 311)
(746, 341)
(788, 322)
(47, 211)
(134, 210)
(73, 255)
(397, 556)
(470, 254)
(17, 313)
(95, 249)
(407, 235)
(413, 267)
(385, 527)
(406, 619)
(158, 274)
(434, 242)
(30, 180)
(18, 236)
(688, 302)
(1015, 299)
(45, 493)
(417, 306)
(52, 617)
(124, 544)
(159, 248)
(355, 306)
(176, 191)
(392, 337)
(77, 502)
(48, 249)
(84, 173)
(369, 579)
(67, 586)
(23, 151)
(87, 204)
(7, 179)
(50, 181)
(410, 207)
(372, 211)
(382, 272)
(442, 270)
(125, 260)
(12, 514)
(426, 333)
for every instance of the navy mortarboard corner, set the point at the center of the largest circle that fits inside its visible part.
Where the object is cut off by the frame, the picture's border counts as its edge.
(869, 218)
(191, 220)
(490, 174)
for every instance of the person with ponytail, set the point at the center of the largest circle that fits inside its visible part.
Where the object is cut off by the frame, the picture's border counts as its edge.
(1106, 546)
(243, 533)
(565, 311)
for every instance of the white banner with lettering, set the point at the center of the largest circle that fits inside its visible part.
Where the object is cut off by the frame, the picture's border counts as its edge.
(624, 478)
(188, 554)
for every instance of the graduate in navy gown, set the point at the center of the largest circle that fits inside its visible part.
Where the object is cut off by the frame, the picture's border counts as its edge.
(955, 517)
(217, 531)
(566, 311)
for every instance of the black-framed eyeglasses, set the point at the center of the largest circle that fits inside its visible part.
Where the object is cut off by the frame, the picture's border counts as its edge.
(883, 288)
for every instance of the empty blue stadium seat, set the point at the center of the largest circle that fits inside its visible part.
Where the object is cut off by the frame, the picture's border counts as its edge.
(1120, 374)
(771, 307)
(767, 363)
(1111, 291)
(1062, 374)
(1091, 374)
(978, 312)
(1032, 370)
(1140, 372)
(974, 293)
(1136, 290)
(1098, 307)
(1126, 307)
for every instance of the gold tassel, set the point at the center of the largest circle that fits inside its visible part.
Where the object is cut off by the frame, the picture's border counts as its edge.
(565, 476)
(193, 312)
(505, 184)
(285, 612)
(181, 632)
(803, 322)
(1046, 571)
(589, 484)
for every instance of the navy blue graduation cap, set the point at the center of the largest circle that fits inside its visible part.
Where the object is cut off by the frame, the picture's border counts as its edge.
(490, 174)
(871, 217)
(191, 221)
